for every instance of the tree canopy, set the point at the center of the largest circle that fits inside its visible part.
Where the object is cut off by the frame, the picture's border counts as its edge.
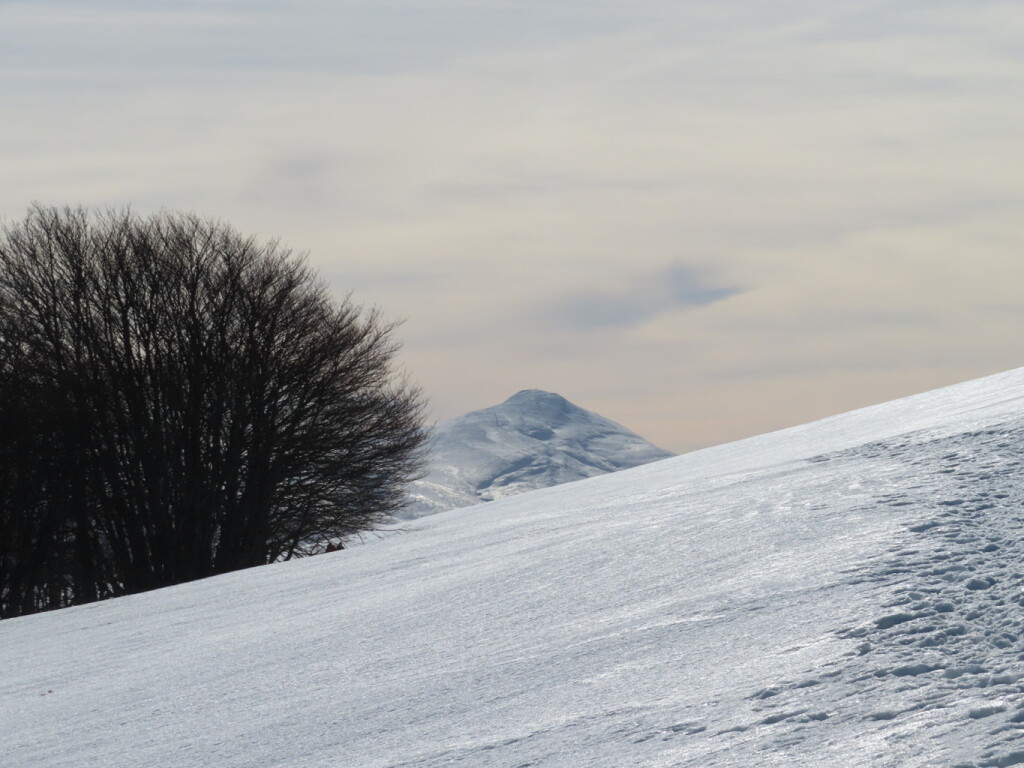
(178, 400)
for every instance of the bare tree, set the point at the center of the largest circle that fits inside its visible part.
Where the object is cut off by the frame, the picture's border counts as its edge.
(179, 401)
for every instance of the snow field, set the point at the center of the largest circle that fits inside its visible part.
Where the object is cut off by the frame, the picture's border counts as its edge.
(848, 593)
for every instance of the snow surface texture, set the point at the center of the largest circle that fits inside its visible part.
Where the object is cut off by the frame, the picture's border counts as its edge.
(535, 439)
(846, 593)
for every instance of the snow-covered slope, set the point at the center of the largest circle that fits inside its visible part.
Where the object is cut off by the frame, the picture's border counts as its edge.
(535, 439)
(848, 593)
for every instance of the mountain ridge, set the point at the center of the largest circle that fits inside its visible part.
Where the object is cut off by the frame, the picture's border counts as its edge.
(534, 439)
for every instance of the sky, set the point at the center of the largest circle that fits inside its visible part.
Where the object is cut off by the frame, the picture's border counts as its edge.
(703, 220)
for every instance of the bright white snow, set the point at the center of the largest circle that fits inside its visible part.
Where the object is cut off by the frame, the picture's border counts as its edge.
(846, 593)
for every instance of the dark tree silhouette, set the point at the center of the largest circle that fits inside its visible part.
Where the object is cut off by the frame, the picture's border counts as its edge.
(178, 401)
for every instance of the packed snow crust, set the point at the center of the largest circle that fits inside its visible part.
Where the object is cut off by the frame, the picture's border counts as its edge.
(847, 593)
(535, 439)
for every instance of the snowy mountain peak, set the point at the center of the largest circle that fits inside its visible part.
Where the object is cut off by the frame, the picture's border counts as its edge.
(534, 439)
(538, 400)
(537, 396)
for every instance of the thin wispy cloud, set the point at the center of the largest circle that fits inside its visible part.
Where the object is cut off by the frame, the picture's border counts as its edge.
(677, 287)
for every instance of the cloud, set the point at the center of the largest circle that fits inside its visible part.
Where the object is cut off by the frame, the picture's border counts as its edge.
(256, 37)
(678, 287)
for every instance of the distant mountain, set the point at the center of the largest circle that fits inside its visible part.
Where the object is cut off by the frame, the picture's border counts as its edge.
(535, 439)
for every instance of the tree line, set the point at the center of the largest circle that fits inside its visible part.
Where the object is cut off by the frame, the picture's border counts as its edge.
(178, 400)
